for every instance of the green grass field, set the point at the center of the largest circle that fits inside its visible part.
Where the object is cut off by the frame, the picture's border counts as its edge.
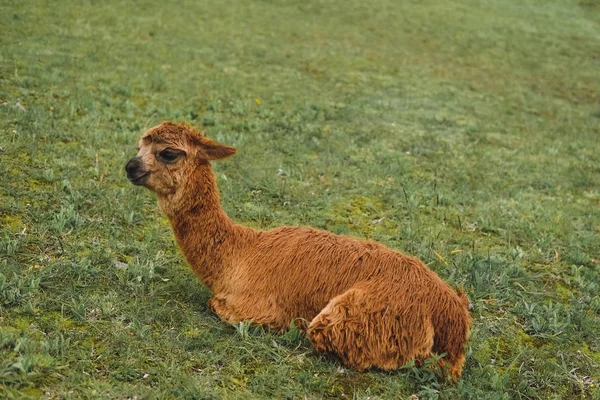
(466, 133)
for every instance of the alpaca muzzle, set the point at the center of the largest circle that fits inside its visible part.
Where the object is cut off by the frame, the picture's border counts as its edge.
(136, 172)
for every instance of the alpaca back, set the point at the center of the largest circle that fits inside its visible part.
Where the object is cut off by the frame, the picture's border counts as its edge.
(303, 268)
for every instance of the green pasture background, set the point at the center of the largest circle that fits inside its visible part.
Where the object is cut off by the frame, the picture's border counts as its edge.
(463, 132)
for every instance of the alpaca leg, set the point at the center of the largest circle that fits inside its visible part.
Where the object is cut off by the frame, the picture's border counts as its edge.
(259, 310)
(219, 306)
(364, 329)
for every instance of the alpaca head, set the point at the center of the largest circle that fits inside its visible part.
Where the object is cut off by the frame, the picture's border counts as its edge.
(170, 154)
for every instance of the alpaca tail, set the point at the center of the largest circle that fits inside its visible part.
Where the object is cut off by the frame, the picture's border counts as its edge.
(452, 328)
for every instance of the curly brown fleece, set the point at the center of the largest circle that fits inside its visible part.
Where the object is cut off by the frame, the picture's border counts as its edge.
(367, 304)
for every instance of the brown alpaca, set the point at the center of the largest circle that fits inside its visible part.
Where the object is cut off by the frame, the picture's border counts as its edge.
(369, 305)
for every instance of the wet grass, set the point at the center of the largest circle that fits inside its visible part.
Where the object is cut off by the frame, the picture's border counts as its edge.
(465, 133)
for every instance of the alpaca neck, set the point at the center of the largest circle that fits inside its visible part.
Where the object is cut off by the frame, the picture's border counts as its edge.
(202, 229)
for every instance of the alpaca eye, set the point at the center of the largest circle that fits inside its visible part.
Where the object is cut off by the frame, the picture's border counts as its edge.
(170, 155)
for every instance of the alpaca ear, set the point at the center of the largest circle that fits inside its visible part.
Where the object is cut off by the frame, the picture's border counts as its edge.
(217, 151)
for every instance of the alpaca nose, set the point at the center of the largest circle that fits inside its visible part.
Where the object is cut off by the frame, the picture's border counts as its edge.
(135, 171)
